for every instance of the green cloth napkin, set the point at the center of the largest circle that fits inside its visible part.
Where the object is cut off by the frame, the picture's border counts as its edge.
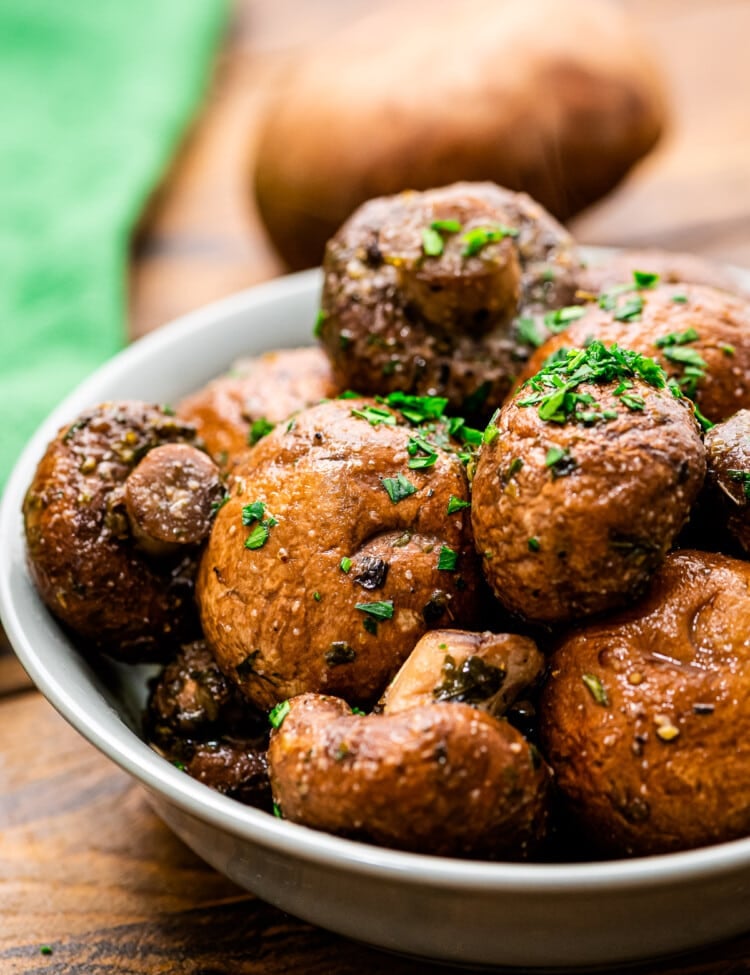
(95, 96)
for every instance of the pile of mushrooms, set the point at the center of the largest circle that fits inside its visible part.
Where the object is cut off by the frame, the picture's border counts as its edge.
(493, 598)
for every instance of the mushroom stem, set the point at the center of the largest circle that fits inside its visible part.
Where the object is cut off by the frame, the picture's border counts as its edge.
(170, 497)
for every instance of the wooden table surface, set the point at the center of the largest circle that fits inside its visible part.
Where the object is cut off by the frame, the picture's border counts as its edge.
(85, 866)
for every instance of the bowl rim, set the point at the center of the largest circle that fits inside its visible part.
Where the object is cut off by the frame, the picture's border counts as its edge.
(126, 749)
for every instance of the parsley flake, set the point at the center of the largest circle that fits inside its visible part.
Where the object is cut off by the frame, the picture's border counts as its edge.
(596, 689)
(375, 416)
(456, 504)
(432, 242)
(380, 611)
(277, 714)
(447, 559)
(345, 564)
(479, 237)
(534, 545)
(398, 487)
(259, 429)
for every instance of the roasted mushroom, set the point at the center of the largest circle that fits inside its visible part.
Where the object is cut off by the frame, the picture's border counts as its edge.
(113, 518)
(420, 291)
(486, 670)
(728, 481)
(200, 721)
(234, 411)
(643, 715)
(445, 779)
(584, 479)
(700, 336)
(346, 536)
(671, 268)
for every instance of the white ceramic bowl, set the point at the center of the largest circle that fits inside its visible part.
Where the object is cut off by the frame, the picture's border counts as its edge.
(452, 910)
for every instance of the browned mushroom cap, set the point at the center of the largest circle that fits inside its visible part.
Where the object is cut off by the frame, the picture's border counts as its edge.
(420, 290)
(581, 488)
(700, 336)
(445, 779)
(335, 552)
(81, 550)
(644, 716)
(487, 670)
(171, 497)
(672, 268)
(198, 719)
(234, 411)
(728, 454)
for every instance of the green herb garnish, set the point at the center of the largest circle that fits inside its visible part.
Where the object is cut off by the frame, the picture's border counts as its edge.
(676, 338)
(558, 321)
(259, 428)
(398, 487)
(345, 564)
(456, 504)
(529, 333)
(477, 238)
(560, 462)
(258, 536)
(447, 559)
(216, 505)
(597, 690)
(744, 478)
(432, 242)
(534, 545)
(380, 610)
(253, 512)
(375, 416)
(630, 310)
(277, 714)
(318, 327)
(416, 409)
(645, 279)
(554, 389)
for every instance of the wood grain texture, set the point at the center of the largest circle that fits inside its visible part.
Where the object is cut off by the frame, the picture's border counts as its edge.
(85, 866)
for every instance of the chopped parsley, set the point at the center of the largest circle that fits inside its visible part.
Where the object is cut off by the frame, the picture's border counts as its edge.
(456, 504)
(528, 332)
(421, 453)
(689, 357)
(491, 431)
(318, 327)
(45, 950)
(258, 429)
(253, 514)
(277, 811)
(447, 559)
(560, 462)
(477, 238)
(728, 350)
(432, 242)
(277, 714)
(596, 689)
(558, 320)
(680, 299)
(380, 611)
(316, 596)
(416, 409)
(216, 505)
(432, 236)
(645, 279)
(345, 564)
(554, 389)
(375, 415)
(398, 488)
(630, 310)
(447, 226)
(744, 478)
(676, 338)
(534, 545)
